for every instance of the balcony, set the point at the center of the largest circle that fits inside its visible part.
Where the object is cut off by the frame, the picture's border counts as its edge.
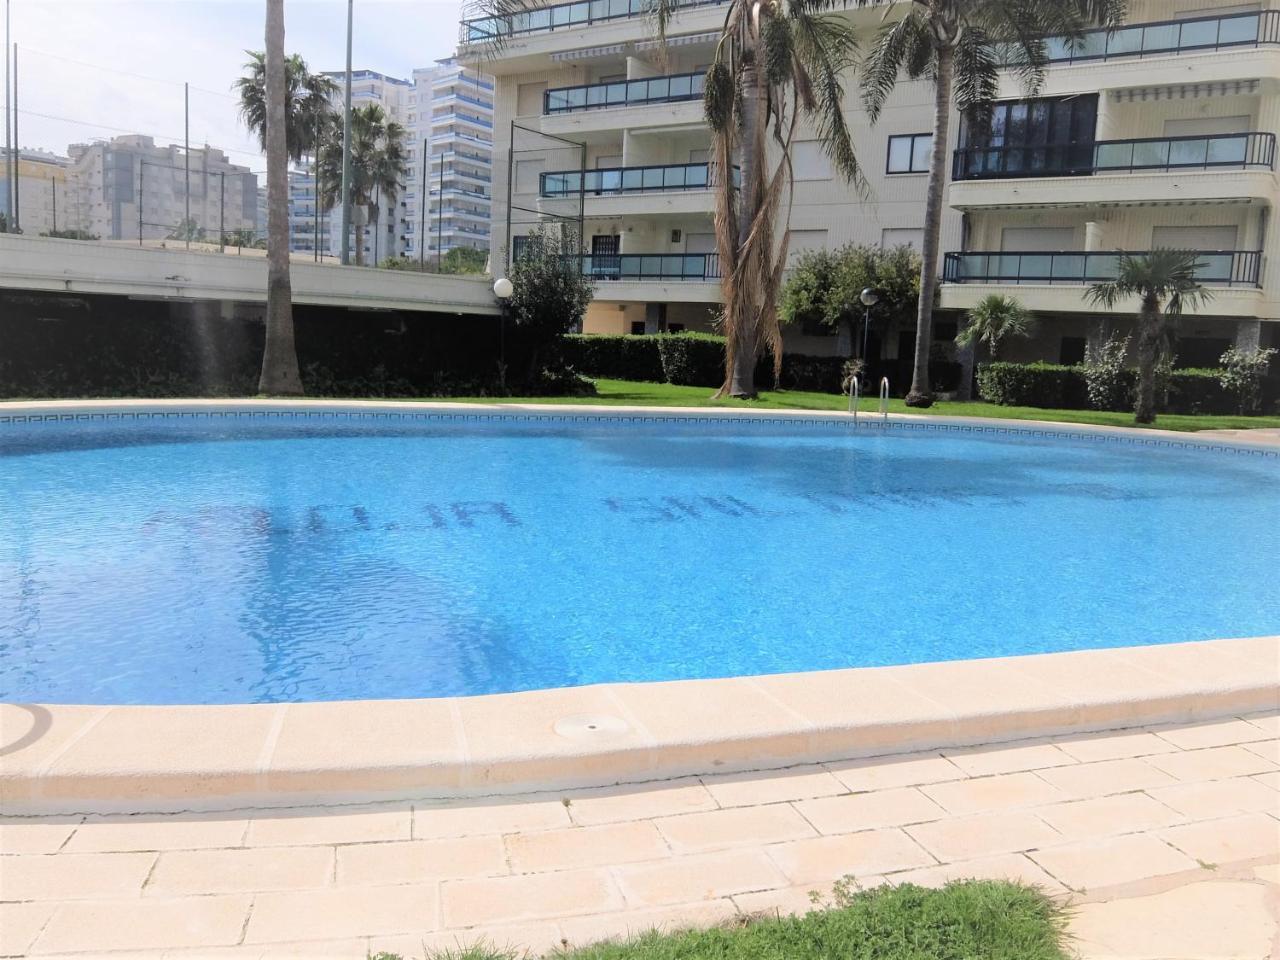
(619, 180)
(652, 266)
(1169, 37)
(1224, 268)
(1237, 151)
(559, 16)
(675, 88)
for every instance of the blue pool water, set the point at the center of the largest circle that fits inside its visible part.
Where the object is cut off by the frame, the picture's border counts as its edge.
(231, 560)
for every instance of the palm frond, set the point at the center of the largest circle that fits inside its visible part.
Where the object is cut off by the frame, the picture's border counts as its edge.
(905, 43)
(825, 47)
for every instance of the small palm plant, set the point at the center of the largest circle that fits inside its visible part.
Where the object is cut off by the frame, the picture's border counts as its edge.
(379, 164)
(994, 319)
(961, 46)
(1164, 281)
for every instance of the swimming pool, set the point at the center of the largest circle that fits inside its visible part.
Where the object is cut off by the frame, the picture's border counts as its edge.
(251, 556)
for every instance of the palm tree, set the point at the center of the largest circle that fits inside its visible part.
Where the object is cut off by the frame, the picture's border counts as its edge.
(961, 46)
(776, 62)
(1164, 281)
(308, 102)
(279, 354)
(378, 163)
(994, 319)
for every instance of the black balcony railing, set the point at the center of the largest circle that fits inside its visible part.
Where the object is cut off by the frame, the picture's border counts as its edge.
(560, 16)
(652, 266)
(1232, 151)
(615, 180)
(1164, 37)
(624, 93)
(1231, 268)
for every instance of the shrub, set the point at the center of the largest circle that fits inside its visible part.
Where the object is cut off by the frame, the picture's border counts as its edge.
(618, 358)
(1030, 385)
(1242, 375)
(692, 359)
(1109, 384)
(550, 297)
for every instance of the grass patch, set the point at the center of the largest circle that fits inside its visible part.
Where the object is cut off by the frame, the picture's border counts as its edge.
(967, 920)
(641, 394)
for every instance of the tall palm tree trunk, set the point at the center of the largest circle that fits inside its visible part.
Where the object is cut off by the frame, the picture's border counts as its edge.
(279, 355)
(751, 195)
(919, 394)
(1150, 335)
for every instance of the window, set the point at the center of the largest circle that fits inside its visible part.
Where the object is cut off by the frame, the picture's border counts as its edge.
(909, 153)
(518, 245)
(637, 328)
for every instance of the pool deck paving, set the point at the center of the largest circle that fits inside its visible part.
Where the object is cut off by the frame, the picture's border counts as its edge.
(1166, 840)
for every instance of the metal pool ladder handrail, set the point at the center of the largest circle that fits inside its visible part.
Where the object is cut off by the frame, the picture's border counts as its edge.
(854, 392)
(884, 398)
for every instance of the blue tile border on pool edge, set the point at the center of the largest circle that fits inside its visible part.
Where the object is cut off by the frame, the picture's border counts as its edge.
(867, 422)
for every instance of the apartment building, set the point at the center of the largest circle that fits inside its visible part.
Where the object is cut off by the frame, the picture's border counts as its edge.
(108, 179)
(382, 234)
(308, 224)
(1161, 134)
(43, 202)
(453, 128)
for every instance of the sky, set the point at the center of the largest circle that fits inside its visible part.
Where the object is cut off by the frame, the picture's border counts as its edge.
(97, 68)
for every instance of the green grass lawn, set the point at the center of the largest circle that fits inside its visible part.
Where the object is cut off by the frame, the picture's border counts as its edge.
(636, 393)
(971, 920)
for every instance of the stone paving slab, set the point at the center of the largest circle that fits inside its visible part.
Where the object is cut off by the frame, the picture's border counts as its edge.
(1166, 840)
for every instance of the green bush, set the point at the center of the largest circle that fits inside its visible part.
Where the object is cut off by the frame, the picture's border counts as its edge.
(692, 359)
(1242, 376)
(1108, 385)
(1031, 385)
(617, 358)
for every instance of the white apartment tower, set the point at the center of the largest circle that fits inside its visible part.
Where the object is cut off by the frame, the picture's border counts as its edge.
(382, 238)
(1160, 134)
(108, 179)
(453, 124)
(43, 200)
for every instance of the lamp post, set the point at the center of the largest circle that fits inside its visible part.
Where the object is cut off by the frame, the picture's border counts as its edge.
(869, 298)
(502, 289)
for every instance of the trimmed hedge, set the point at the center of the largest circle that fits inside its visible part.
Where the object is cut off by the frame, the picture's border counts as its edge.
(617, 358)
(697, 359)
(1046, 385)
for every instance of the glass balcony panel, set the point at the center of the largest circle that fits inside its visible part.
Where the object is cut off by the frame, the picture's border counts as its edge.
(1244, 29)
(1034, 266)
(659, 89)
(1164, 36)
(672, 178)
(1102, 266)
(632, 179)
(1152, 154)
(616, 94)
(1005, 266)
(1214, 267)
(695, 175)
(1068, 266)
(1125, 41)
(681, 87)
(1188, 153)
(1226, 150)
(651, 178)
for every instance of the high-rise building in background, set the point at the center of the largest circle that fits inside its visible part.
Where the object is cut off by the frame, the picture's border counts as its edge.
(454, 119)
(106, 178)
(447, 113)
(44, 203)
(381, 235)
(1158, 134)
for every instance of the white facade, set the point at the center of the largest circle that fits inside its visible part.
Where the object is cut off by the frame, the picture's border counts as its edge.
(107, 177)
(1035, 207)
(454, 119)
